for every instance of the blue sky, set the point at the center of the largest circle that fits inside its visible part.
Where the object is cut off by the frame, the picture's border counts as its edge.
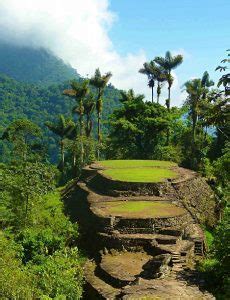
(120, 35)
(200, 29)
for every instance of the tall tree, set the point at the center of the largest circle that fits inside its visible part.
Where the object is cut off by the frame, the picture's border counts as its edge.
(89, 106)
(78, 91)
(169, 63)
(206, 82)
(65, 128)
(154, 73)
(137, 128)
(225, 79)
(23, 135)
(99, 82)
(148, 69)
(195, 91)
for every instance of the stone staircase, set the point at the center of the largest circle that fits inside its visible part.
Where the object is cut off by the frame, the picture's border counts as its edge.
(199, 247)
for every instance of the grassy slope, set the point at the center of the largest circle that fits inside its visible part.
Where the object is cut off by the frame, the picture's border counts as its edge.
(142, 208)
(136, 163)
(140, 174)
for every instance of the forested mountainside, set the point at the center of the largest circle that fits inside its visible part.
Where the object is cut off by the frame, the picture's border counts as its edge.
(41, 104)
(51, 130)
(34, 65)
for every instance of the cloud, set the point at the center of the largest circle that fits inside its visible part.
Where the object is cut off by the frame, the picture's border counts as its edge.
(76, 31)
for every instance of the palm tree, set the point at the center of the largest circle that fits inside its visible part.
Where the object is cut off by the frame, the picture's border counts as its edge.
(99, 82)
(148, 70)
(160, 76)
(154, 73)
(195, 91)
(168, 63)
(130, 96)
(65, 128)
(206, 82)
(78, 92)
(89, 106)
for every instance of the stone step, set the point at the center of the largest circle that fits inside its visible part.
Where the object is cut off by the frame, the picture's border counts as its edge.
(121, 268)
(180, 246)
(96, 288)
(171, 231)
(136, 230)
(118, 240)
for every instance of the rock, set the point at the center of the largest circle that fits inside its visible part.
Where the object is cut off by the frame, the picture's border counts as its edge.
(157, 267)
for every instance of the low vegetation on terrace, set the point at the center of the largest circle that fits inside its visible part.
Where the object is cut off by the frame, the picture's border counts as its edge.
(142, 174)
(140, 209)
(114, 164)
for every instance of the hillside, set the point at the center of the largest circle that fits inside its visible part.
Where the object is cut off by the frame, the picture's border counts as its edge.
(41, 104)
(33, 65)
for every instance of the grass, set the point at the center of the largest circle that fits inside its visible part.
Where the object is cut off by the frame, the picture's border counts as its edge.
(148, 209)
(209, 238)
(136, 163)
(140, 174)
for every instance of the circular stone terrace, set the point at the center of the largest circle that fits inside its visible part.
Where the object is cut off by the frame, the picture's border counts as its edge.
(131, 172)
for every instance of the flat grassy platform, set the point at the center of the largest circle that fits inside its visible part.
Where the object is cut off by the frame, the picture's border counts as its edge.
(142, 174)
(114, 164)
(141, 209)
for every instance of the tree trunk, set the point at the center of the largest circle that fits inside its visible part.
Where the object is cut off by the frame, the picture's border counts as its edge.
(74, 159)
(26, 210)
(98, 133)
(158, 92)
(194, 130)
(152, 94)
(169, 97)
(87, 125)
(62, 156)
(80, 121)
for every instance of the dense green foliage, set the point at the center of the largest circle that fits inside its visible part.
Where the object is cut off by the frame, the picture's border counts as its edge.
(38, 258)
(42, 104)
(74, 123)
(33, 65)
(217, 265)
(37, 261)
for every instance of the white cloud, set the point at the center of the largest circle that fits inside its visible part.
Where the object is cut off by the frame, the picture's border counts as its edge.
(78, 32)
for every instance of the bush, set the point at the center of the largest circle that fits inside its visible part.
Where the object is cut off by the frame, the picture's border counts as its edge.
(38, 262)
(168, 153)
(15, 280)
(59, 275)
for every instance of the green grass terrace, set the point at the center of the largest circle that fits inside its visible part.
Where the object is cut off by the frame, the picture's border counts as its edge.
(115, 164)
(139, 170)
(140, 209)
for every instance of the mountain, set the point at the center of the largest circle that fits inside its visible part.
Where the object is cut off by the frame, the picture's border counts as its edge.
(31, 86)
(41, 104)
(34, 65)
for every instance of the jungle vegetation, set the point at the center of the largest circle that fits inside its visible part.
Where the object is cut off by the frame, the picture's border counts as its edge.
(49, 132)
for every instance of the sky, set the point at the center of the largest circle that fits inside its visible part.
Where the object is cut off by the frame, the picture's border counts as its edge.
(120, 35)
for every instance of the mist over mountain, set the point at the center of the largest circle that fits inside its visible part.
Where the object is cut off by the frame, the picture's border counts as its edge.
(34, 65)
(31, 86)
